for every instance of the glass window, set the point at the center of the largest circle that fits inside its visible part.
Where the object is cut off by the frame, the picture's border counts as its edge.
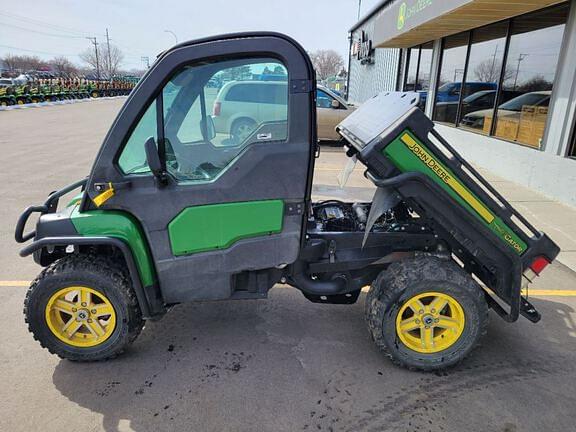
(530, 70)
(212, 112)
(451, 75)
(412, 71)
(572, 150)
(133, 158)
(482, 77)
(323, 99)
(424, 71)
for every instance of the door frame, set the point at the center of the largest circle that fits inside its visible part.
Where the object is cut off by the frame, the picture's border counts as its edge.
(170, 270)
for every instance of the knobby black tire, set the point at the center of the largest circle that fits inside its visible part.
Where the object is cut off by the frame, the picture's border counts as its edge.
(401, 281)
(101, 273)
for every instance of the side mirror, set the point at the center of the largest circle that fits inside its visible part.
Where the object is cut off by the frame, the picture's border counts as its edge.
(335, 104)
(154, 161)
(207, 127)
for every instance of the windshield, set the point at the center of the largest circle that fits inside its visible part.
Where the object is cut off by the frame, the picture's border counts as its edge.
(332, 94)
(446, 87)
(477, 95)
(516, 104)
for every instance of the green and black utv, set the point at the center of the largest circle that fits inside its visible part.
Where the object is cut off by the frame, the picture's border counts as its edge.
(176, 209)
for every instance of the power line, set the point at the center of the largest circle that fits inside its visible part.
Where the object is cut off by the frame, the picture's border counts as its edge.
(45, 24)
(41, 32)
(38, 52)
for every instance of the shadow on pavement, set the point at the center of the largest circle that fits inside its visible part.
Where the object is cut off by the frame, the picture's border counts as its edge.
(286, 364)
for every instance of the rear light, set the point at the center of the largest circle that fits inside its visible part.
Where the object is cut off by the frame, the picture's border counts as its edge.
(533, 270)
(539, 264)
(216, 109)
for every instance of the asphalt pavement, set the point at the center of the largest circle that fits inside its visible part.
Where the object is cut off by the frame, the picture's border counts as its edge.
(281, 364)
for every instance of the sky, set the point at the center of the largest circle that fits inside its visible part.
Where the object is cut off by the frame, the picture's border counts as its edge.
(60, 27)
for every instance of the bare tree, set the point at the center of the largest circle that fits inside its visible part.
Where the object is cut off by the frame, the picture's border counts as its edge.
(108, 63)
(11, 61)
(112, 61)
(63, 66)
(489, 71)
(327, 63)
(18, 63)
(91, 59)
(536, 83)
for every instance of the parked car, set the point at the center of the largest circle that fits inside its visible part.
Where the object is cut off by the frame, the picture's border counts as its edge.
(6, 82)
(480, 100)
(331, 109)
(511, 109)
(450, 92)
(241, 106)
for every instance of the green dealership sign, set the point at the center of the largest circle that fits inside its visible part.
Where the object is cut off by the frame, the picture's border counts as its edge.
(405, 12)
(405, 15)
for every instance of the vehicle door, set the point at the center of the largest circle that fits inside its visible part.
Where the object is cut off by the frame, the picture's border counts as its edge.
(328, 116)
(226, 205)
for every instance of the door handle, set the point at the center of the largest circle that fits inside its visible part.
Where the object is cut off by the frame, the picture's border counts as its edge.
(108, 190)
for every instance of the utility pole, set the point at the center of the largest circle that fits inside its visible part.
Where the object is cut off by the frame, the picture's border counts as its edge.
(109, 55)
(493, 64)
(359, 7)
(520, 58)
(146, 60)
(95, 42)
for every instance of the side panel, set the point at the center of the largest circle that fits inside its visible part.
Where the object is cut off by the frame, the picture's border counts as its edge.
(218, 226)
(122, 226)
(409, 154)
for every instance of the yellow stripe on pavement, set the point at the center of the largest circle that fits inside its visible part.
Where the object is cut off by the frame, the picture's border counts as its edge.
(551, 293)
(531, 292)
(14, 283)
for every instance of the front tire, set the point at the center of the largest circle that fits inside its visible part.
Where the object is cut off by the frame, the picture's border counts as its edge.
(426, 313)
(83, 308)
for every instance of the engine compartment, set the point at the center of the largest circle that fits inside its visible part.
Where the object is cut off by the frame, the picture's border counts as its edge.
(339, 216)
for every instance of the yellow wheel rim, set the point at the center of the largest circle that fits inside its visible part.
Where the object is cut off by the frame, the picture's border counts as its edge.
(20, 102)
(430, 322)
(80, 316)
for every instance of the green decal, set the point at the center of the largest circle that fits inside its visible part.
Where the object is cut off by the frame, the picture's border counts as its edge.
(122, 226)
(409, 154)
(402, 16)
(218, 226)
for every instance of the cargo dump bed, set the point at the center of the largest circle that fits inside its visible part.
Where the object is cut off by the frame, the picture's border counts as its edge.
(406, 156)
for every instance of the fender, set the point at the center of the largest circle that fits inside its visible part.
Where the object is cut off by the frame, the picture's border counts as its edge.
(150, 305)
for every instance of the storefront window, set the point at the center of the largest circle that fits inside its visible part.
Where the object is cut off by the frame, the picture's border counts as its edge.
(530, 70)
(572, 150)
(412, 71)
(424, 70)
(482, 78)
(454, 52)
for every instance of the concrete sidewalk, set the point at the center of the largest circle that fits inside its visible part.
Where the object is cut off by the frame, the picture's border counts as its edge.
(555, 219)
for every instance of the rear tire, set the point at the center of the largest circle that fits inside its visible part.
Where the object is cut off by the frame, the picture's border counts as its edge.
(108, 285)
(421, 339)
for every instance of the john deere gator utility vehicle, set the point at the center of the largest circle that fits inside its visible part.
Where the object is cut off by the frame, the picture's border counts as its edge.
(176, 209)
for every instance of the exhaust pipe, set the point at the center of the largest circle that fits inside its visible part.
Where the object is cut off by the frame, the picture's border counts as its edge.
(300, 279)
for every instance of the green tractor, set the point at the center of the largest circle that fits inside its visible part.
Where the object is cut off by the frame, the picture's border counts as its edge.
(176, 210)
(21, 93)
(7, 97)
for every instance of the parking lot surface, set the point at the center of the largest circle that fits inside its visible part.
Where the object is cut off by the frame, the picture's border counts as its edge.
(281, 364)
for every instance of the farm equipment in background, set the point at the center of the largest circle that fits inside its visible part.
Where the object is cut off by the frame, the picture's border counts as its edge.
(7, 97)
(60, 89)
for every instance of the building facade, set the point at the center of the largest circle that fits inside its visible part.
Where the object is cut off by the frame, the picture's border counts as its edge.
(498, 80)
